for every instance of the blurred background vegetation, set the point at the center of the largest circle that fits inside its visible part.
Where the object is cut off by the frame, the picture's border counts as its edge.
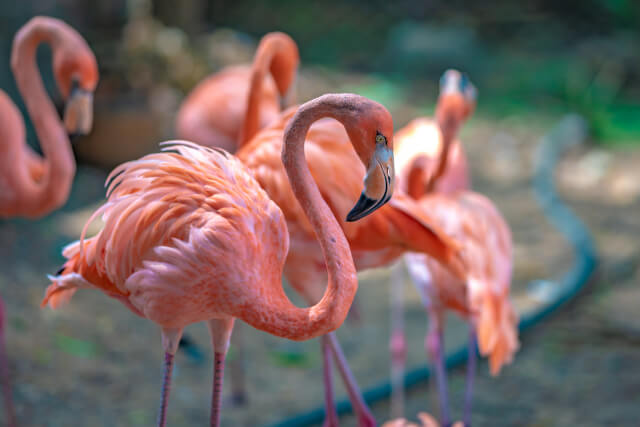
(537, 57)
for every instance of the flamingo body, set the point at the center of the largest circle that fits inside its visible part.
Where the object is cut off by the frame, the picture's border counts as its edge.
(213, 113)
(191, 236)
(229, 107)
(483, 298)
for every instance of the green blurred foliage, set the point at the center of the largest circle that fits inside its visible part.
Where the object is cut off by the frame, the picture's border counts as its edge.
(528, 57)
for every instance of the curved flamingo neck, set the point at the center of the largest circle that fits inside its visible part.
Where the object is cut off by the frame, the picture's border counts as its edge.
(342, 285)
(416, 178)
(277, 315)
(55, 185)
(267, 50)
(449, 126)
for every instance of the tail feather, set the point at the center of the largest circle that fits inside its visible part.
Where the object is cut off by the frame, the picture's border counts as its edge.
(497, 331)
(62, 289)
(67, 280)
(57, 296)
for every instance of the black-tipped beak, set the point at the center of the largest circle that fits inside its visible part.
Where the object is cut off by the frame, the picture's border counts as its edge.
(367, 205)
(363, 207)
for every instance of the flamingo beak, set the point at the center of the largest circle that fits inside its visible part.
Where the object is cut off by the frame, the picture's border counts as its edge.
(78, 112)
(378, 184)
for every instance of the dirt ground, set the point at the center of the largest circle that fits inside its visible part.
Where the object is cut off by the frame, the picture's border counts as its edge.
(96, 364)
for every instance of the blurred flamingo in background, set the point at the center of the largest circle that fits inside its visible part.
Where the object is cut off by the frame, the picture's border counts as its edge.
(482, 297)
(32, 186)
(230, 106)
(428, 158)
(191, 236)
(376, 240)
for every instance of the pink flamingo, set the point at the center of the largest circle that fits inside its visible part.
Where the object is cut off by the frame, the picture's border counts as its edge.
(191, 236)
(32, 186)
(230, 106)
(428, 158)
(482, 297)
(376, 240)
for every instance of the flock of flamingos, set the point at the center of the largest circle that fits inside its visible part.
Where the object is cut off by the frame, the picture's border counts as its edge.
(204, 230)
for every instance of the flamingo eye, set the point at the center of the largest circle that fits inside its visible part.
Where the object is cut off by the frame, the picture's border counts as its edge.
(380, 139)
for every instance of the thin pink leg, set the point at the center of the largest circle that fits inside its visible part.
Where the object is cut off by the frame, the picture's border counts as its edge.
(365, 418)
(434, 343)
(216, 398)
(220, 330)
(331, 416)
(398, 343)
(166, 389)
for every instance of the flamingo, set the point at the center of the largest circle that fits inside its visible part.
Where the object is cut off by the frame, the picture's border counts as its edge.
(395, 228)
(230, 106)
(482, 297)
(191, 236)
(428, 158)
(440, 183)
(32, 186)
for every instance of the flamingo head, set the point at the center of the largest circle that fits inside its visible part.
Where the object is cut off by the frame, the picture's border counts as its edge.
(76, 73)
(371, 134)
(457, 100)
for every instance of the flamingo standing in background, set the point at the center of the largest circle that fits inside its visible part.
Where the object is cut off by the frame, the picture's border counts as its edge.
(230, 106)
(191, 236)
(439, 184)
(428, 158)
(32, 186)
(482, 297)
(395, 228)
